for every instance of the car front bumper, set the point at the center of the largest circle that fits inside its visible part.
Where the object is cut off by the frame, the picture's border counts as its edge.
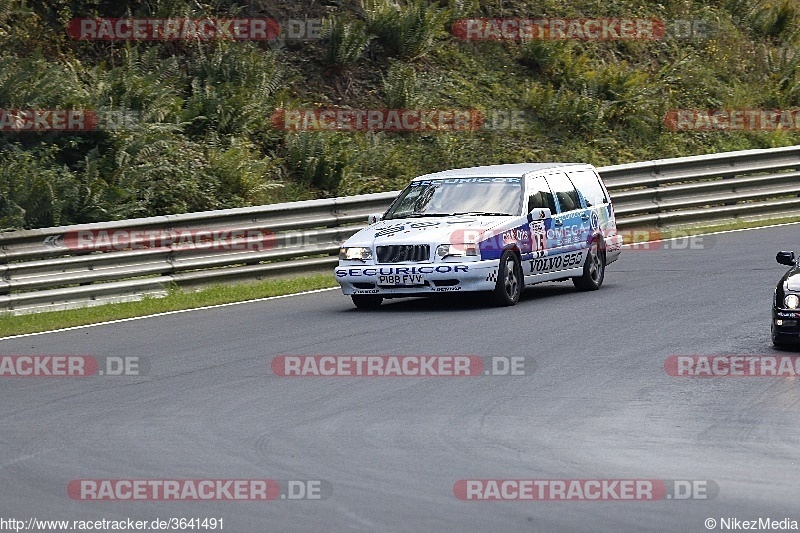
(428, 278)
(789, 331)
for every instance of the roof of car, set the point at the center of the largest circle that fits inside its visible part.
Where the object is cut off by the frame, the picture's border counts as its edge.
(508, 171)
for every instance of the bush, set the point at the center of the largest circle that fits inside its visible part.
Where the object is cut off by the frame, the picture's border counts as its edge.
(32, 188)
(160, 173)
(145, 85)
(400, 87)
(244, 176)
(375, 162)
(310, 162)
(778, 22)
(232, 90)
(407, 31)
(344, 41)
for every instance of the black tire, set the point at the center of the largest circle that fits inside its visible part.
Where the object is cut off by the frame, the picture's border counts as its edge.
(367, 301)
(776, 339)
(594, 269)
(509, 280)
(782, 345)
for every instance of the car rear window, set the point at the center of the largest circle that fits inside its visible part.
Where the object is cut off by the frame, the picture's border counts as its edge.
(588, 184)
(564, 191)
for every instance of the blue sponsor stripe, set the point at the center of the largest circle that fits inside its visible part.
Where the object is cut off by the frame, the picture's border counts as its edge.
(520, 235)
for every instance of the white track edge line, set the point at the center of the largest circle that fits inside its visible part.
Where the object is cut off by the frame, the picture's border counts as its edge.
(165, 313)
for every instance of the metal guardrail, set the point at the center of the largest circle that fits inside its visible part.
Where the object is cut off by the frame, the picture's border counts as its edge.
(54, 268)
(707, 188)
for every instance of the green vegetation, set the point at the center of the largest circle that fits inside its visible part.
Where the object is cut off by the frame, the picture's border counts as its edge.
(177, 299)
(186, 125)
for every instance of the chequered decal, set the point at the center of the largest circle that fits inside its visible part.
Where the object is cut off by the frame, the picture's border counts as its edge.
(492, 276)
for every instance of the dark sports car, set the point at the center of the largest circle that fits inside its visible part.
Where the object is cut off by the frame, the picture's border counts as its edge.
(786, 303)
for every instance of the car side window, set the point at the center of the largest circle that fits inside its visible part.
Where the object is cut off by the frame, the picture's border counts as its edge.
(539, 195)
(564, 191)
(588, 183)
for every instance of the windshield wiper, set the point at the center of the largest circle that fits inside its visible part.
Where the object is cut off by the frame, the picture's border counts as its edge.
(486, 213)
(417, 215)
(420, 215)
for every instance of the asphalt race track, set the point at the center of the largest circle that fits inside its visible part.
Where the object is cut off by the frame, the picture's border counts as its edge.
(598, 405)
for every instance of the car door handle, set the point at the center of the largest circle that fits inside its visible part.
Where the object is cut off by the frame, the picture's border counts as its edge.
(585, 216)
(558, 223)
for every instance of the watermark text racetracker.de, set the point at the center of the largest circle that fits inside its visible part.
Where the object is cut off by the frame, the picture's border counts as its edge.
(580, 29)
(584, 489)
(198, 489)
(72, 120)
(106, 240)
(400, 366)
(398, 120)
(57, 120)
(640, 239)
(732, 119)
(205, 29)
(73, 366)
(652, 239)
(710, 366)
(176, 29)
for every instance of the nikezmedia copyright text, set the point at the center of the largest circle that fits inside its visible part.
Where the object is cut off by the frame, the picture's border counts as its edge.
(759, 524)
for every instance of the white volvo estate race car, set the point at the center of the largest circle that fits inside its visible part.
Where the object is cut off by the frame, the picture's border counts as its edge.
(493, 228)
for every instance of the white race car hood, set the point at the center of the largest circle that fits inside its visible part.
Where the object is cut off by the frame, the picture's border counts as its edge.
(428, 230)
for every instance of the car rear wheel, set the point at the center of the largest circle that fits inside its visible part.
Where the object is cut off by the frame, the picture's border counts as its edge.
(367, 301)
(509, 280)
(594, 269)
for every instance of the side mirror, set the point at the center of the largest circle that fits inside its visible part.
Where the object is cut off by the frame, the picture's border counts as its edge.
(374, 217)
(540, 213)
(785, 258)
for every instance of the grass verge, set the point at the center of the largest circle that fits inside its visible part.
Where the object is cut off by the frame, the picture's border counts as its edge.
(176, 300)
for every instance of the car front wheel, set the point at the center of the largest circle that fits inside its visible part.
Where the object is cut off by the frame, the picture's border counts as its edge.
(509, 280)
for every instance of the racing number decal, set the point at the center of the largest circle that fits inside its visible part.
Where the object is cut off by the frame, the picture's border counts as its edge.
(538, 241)
(538, 236)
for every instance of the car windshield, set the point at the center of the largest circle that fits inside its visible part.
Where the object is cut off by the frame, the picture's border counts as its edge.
(458, 196)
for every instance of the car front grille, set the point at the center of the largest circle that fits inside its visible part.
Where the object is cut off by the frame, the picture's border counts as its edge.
(416, 253)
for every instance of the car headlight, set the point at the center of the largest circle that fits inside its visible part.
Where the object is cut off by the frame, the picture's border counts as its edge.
(791, 301)
(457, 250)
(355, 253)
